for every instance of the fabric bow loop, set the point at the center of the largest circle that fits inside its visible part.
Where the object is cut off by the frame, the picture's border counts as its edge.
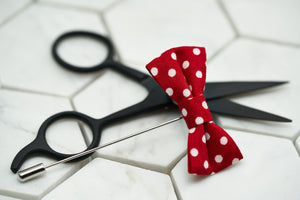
(181, 72)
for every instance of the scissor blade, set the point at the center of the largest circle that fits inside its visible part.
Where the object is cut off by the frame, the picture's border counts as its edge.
(227, 107)
(224, 89)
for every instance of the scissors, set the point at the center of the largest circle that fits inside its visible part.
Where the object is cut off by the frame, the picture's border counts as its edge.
(156, 99)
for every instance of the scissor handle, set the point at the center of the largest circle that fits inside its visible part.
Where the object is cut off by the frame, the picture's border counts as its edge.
(40, 146)
(75, 68)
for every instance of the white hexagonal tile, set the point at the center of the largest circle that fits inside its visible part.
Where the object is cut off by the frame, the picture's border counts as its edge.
(143, 30)
(276, 20)
(7, 198)
(26, 58)
(269, 170)
(89, 4)
(162, 147)
(112, 180)
(248, 60)
(113, 92)
(10, 7)
(21, 114)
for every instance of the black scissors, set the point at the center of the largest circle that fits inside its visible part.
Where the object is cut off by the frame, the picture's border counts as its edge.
(156, 99)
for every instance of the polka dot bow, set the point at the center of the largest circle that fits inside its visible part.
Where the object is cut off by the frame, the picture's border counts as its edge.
(181, 72)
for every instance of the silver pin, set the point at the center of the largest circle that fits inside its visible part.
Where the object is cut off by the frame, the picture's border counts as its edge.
(39, 169)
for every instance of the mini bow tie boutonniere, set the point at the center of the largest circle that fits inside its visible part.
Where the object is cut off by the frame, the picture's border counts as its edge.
(181, 72)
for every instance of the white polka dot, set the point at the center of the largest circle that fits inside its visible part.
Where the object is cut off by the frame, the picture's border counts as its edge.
(203, 139)
(235, 161)
(184, 112)
(194, 152)
(169, 91)
(199, 74)
(205, 164)
(204, 105)
(196, 51)
(154, 71)
(185, 64)
(223, 140)
(172, 72)
(192, 130)
(199, 120)
(207, 136)
(186, 92)
(173, 55)
(190, 86)
(212, 173)
(218, 158)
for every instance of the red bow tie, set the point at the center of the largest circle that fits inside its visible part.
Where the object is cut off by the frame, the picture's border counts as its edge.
(181, 72)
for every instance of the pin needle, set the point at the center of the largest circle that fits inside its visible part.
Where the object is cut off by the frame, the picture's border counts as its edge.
(39, 169)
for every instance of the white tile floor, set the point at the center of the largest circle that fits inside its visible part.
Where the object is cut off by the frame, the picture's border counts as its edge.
(245, 40)
(115, 181)
(275, 177)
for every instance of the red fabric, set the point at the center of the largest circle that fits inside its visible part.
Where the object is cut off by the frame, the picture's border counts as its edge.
(181, 72)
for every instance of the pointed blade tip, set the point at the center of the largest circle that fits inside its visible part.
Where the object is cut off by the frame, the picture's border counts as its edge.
(281, 82)
(282, 119)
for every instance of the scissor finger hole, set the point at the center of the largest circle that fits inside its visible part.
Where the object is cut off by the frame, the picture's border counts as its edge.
(82, 51)
(65, 136)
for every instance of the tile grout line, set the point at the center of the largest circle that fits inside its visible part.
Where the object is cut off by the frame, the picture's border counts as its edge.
(175, 187)
(228, 16)
(221, 49)
(16, 13)
(109, 33)
(29, 91)
(84, 86)
(68, 6)
(133, 163)
(80, 125)
(78, 7)
(294, 138)
(266, 40)
(297, 149)
(295, 144)
(112, 5)
(64, 178)
(256, 132)
(177, 160)
(18, 195)
(232, 25)
(261, 39)
(101, 20)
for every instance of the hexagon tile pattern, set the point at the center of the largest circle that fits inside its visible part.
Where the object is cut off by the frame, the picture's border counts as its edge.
(36, 69)
(269, 170)
(162, 146)
(276, 20)
(114, 181)
(245, 41)
(250, 60)
(21, 114)
(144, 29)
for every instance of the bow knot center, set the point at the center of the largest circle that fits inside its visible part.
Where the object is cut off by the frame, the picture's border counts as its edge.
(195, 111)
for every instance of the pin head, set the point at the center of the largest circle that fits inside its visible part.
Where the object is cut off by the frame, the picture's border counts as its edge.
(31, 172)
